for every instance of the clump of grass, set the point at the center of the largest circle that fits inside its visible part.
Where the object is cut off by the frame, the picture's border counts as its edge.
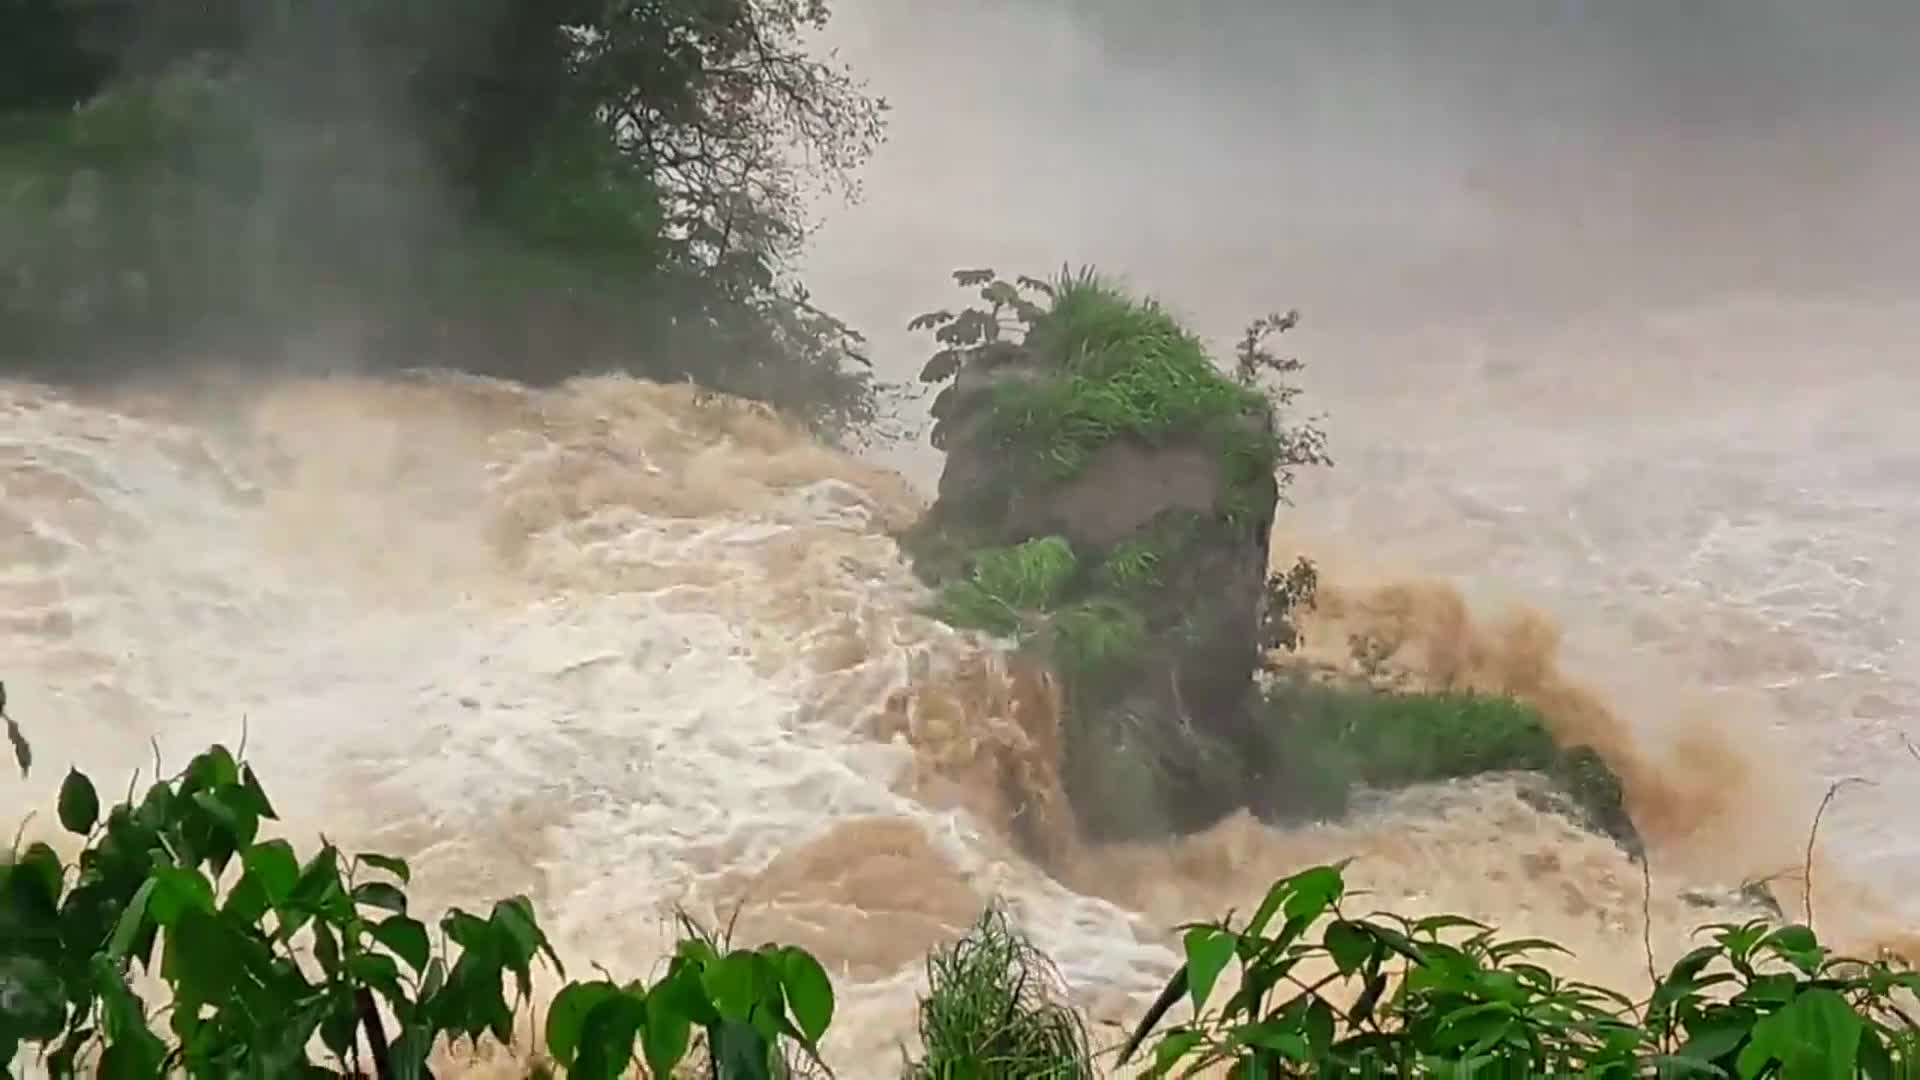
(1009, 585)
(1339, 737)
(1030, 575)
(1392, 740)
(993, 1009)
(1096, 636)
(1133, 371)
(1133, 565)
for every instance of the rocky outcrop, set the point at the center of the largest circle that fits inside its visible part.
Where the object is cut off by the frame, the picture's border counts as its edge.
(1155, 627)
(1107, 501)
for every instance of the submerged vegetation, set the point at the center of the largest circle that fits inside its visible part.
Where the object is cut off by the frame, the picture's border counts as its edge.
(278, 965)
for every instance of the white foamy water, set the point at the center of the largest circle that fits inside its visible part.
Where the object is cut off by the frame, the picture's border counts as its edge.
(620, 652)
(1715, 501)
(599, 646)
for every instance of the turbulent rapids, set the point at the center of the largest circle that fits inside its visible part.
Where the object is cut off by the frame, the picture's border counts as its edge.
(627, 647)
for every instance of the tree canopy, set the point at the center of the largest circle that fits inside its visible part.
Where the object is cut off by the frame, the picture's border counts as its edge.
(521, 187)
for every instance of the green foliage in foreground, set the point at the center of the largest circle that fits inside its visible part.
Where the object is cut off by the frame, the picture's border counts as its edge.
(1323, 992)
(275, 965)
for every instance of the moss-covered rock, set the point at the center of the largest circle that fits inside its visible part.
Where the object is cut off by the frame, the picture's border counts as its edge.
(1106, 501)
(1333, 739)
(1107, 497)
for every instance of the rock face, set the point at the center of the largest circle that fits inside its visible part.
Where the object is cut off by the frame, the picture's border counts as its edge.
(1160, 741)
(1107, 502)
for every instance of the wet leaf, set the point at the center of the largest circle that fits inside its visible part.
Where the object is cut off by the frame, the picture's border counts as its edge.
(379, 894)
(273, 865)
(567, 1016)
(407, 938)
(1208, 950)
(1348, 945)
(79, 803)
(809, 992)
(606, 1038)
(127, 930)
(397, 867)
(1817, 1035)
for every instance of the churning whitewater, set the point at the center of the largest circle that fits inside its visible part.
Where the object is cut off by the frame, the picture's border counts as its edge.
(625, 647)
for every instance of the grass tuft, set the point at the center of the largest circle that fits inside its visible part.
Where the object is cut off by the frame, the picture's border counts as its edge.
(1009, 584)
(994, 1009)
(1133, 371)
(1096, 636)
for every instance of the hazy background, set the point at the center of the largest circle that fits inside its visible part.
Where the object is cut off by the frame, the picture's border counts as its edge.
(1376, 162)
(1610, 304)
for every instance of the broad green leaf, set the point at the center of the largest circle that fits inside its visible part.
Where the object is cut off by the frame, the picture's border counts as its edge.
(179, 891)
(514, 918)
(1317, 1024)
(273, 865)
(1208, 950)
(681, 992)
(471, 933)
(1313, 891)
(1796, 945)
(397, 867)
(318, 889)
(341, 1026)
(1815, 1036)
(1875, 1062)
(224, 806)
(809, 992)
(212, 768)
(41, 871)
(79, 803)
(378, 971)
(326, 949)
(379, 894)
(406, 937)
(668, 1032)
(202, 959)
(1713, 1039)
(567, 1015)
(732, 985)
(1275, 1036)
(1269, 905)
(127, 930)
(740, 1052)
(256, 795)
(605, 1047)
(247, 901)
(1348, 945)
